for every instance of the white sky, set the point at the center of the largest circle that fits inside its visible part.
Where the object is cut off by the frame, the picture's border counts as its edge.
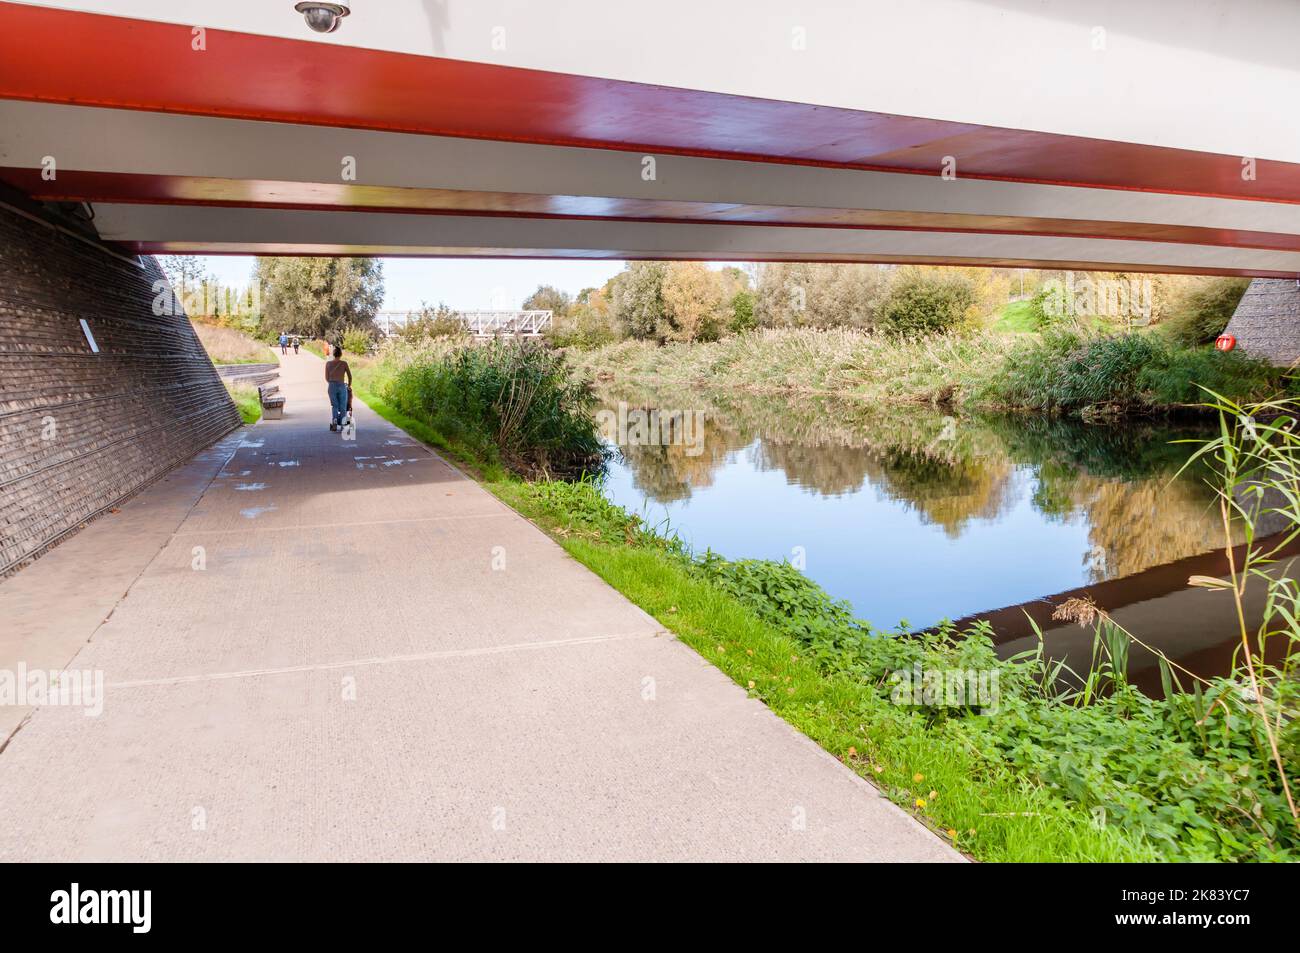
(466, 284)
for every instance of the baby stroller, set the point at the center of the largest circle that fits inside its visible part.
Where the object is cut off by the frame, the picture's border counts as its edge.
(349, 428)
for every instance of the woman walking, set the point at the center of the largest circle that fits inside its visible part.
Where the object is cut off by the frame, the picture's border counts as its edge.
(336, 372)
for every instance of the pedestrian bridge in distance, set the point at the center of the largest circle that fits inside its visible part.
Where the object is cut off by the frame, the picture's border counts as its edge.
(482, 324)
(1127, 136)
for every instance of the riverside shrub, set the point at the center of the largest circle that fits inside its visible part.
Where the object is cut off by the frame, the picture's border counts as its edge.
(920, 303)
(1190, 771)
(357, 341)
(1074, 371)
(517, 402)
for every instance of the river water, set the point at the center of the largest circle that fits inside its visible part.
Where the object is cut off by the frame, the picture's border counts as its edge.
(914, 517)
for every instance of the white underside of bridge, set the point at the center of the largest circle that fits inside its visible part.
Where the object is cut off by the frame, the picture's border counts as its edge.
(717, 205)
(156, 144)
(1211, 75)
(277, 231)
(300, 161)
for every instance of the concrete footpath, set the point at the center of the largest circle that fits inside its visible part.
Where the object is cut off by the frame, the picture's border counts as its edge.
(322, 649)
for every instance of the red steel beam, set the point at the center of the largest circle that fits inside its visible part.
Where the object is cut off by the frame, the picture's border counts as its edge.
(61, 56)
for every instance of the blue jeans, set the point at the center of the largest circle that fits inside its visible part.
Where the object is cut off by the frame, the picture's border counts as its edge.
(339, 400)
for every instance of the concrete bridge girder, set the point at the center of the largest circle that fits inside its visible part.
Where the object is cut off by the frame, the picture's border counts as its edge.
(278, 231)
(107, 156)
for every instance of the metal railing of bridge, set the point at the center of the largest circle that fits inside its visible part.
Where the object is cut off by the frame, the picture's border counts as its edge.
(479, 323)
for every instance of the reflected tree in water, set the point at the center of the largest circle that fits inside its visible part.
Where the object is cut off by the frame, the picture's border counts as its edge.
(1117, 479)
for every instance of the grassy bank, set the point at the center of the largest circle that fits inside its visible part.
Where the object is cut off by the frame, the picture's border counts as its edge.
(516, 404)
(1057, 372)
(230, 346)
(1060, 768)
(1016, 317)
(246, 399)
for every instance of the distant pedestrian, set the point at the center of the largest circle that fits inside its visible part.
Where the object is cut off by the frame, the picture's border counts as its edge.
(336, 372)
(284, 343)
(296, 342)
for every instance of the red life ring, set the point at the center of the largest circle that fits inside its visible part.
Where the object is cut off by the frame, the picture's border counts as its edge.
(1226, 342)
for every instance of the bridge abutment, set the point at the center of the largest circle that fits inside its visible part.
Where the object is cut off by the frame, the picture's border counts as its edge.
(1266, 323)
(82, 425)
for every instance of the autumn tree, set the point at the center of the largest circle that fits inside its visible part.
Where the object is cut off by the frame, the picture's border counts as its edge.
(590, 321)
(693, 303)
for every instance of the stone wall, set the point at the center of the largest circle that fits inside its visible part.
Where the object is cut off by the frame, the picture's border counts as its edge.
(80, 431)
(1266, 323)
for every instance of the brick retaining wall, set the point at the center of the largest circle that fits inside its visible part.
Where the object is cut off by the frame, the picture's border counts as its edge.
(1266, 323)
(79, 431)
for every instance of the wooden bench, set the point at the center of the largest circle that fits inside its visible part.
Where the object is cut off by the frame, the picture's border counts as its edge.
(272, 402)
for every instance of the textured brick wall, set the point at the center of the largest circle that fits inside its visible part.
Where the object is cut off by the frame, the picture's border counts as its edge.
(1267, 321)
(79, 431)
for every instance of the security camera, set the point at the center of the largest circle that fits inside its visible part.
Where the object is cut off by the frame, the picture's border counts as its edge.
(322, 17)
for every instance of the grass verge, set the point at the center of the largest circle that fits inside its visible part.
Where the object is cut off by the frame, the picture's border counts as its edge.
(1017, 317)
(246, 399)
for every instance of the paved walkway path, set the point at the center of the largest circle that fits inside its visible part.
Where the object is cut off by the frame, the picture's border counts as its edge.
(348, 677)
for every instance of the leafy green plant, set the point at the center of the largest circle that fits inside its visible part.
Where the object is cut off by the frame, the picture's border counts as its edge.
(919, 303)
(357, 340)
(514, 401)
(1074, 371)
(580, 508)
(1039, 312)
(742, 311)
(1184, 772)
(1183, 375)
(432, 324)
(1256, 459)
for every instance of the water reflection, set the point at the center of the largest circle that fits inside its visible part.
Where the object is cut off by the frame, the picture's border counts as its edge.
(912, 515)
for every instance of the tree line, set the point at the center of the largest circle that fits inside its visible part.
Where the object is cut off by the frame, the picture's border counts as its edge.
(688, 301)
(685, 301)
